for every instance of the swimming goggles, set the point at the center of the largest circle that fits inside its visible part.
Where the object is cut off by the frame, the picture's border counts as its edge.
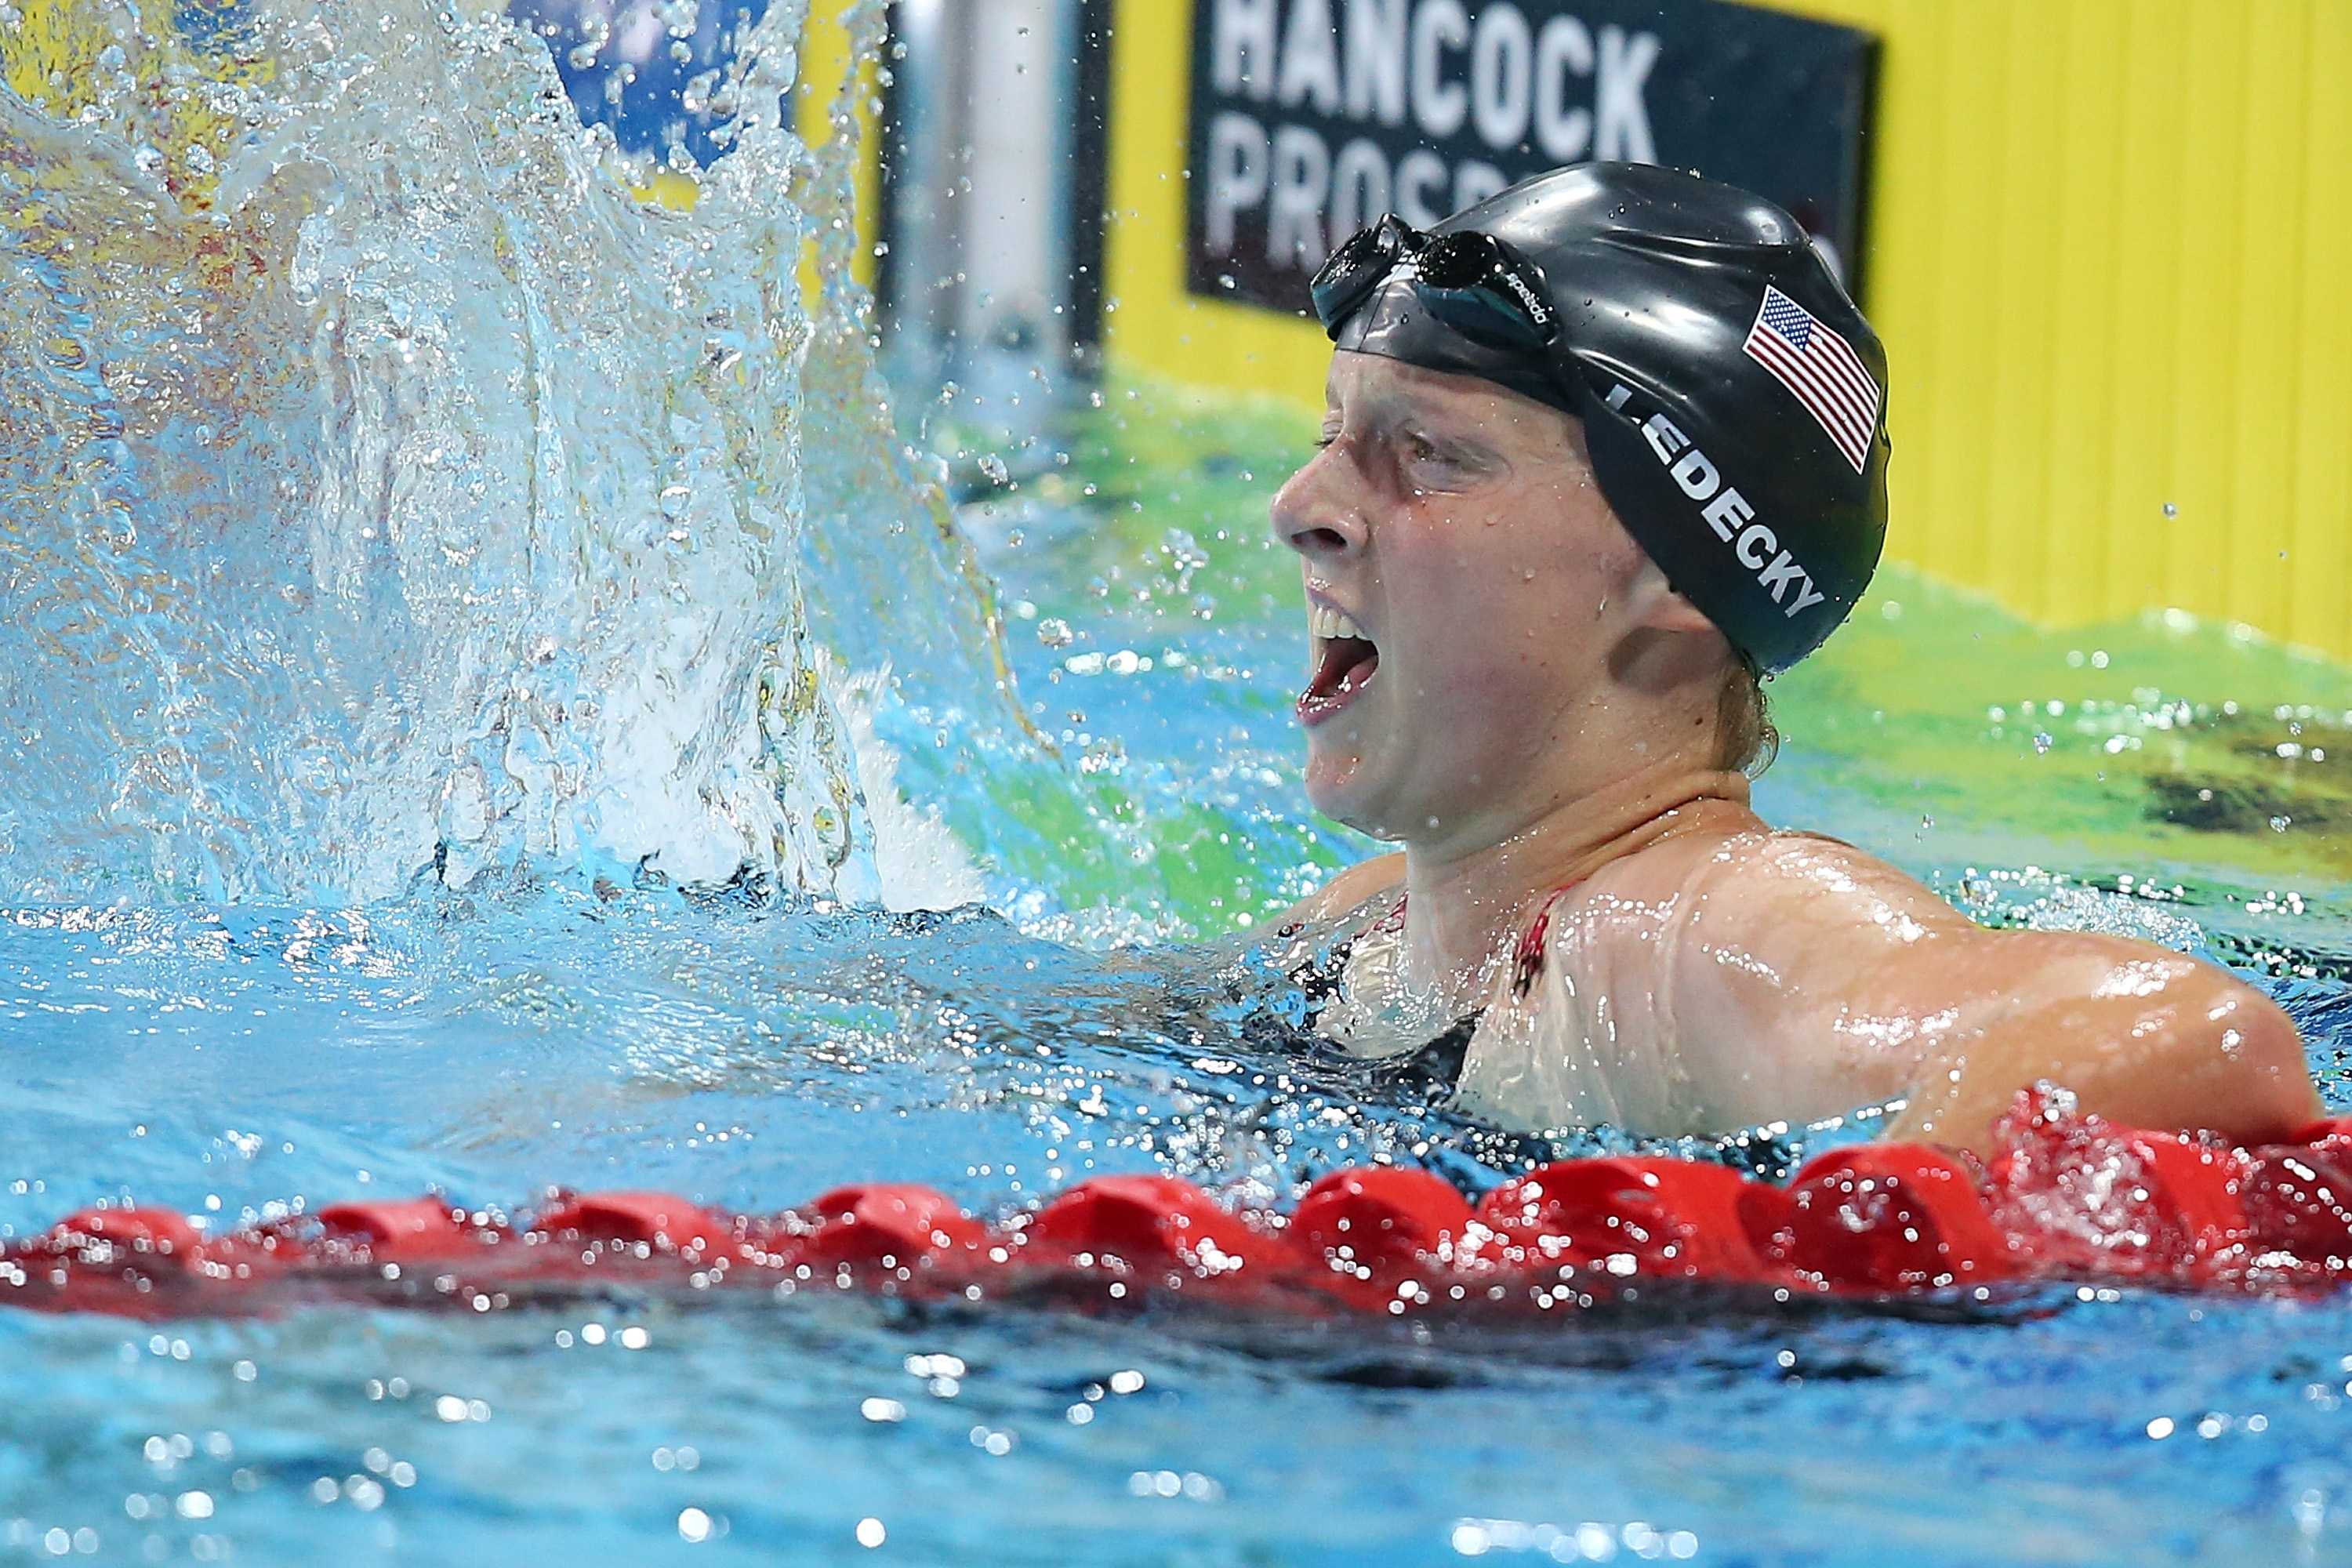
(1474, 283)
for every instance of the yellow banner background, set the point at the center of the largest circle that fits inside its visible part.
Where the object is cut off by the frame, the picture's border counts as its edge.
(2110, 251)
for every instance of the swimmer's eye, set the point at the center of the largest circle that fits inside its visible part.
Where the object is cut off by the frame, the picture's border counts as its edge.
(1465, 459)
(1323, 442)
(1422, 452)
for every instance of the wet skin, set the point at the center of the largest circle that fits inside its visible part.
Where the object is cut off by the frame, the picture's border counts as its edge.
(1541, 712)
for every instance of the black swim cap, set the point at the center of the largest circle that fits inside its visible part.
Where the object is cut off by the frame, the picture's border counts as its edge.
(1733, 398)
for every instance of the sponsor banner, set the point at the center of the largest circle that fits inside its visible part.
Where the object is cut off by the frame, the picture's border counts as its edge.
(1311, 118)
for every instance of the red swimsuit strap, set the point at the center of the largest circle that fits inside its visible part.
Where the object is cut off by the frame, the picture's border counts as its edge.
(1527, 958)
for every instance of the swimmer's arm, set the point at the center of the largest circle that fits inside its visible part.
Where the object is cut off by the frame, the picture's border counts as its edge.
(2141, 1035)
(1818, 978)
(1357, 884)
(1363, 880)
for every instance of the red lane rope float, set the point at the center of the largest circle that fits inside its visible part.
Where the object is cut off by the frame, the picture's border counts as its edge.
(2068, 1197)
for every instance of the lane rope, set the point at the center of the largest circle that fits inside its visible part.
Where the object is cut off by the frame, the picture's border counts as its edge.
(2068, 1197)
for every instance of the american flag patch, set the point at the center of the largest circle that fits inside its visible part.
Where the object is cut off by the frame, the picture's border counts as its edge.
(1818, 365)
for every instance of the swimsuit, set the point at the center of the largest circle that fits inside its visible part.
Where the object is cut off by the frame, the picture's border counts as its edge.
(1435, 1067)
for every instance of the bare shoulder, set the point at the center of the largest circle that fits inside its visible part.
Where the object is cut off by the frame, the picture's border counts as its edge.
(1363, 880)
(1780, 889)
(1778, 885)
(1788, 969)
(1775, 933)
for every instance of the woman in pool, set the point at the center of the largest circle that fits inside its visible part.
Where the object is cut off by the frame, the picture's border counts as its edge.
(1600, 452)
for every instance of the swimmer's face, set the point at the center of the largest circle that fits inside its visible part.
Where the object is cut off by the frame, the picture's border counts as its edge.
(1461, 565)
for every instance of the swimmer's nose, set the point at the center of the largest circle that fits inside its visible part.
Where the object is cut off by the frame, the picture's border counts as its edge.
(1316, 513)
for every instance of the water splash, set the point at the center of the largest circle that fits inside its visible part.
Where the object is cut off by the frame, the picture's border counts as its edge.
(388, 494)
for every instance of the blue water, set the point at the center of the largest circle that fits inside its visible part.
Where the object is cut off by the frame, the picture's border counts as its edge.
(236, 1064)
(469, 732)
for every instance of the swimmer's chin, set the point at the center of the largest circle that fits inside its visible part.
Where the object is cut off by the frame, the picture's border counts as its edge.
(1345, 802)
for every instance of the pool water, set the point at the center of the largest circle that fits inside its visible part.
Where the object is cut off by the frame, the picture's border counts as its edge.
(492, 686)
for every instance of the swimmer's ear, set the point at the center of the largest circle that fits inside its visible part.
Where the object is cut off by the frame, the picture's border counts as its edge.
(1653, 603)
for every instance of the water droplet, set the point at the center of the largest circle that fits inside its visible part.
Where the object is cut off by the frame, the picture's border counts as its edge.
(2041, 740)
(1054, 631)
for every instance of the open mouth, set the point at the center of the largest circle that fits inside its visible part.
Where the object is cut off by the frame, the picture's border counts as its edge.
(1345, 662)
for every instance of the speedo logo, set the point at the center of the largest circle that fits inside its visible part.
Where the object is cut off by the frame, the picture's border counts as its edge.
(1753, 544)
(1538, 309)
(1538, 306)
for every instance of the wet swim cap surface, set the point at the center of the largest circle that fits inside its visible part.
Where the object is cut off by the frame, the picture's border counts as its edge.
(1733, 398)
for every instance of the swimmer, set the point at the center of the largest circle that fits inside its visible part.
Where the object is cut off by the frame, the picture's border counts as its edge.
(1601, 452)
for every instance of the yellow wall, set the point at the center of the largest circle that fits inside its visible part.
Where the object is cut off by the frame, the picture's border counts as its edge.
(2110, 251)
(827, 41)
